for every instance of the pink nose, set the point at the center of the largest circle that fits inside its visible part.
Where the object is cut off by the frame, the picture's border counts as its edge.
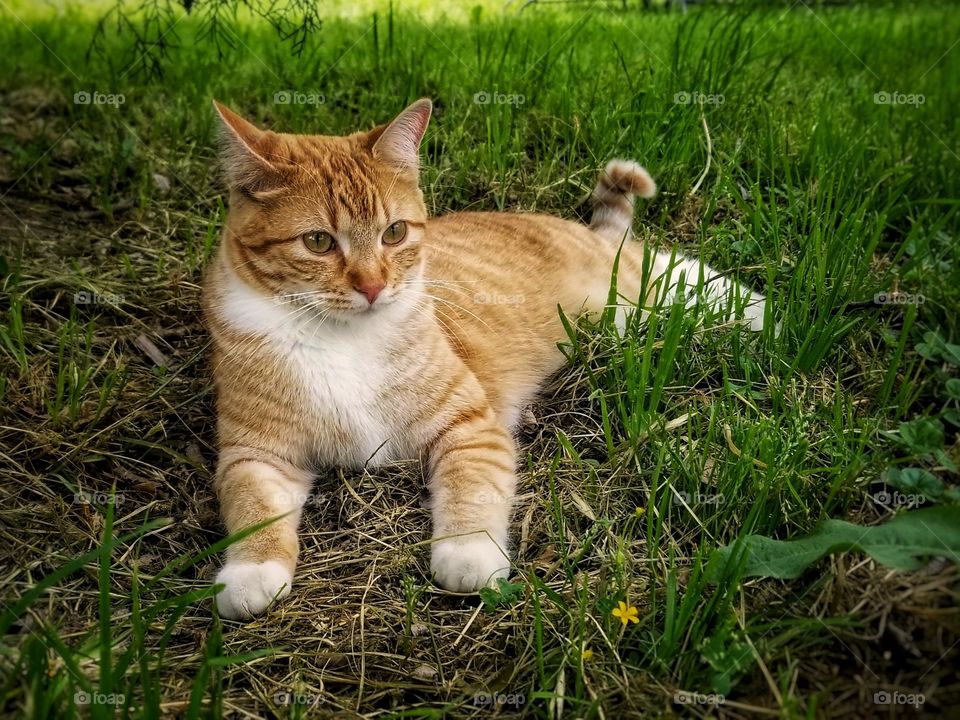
(371, 290)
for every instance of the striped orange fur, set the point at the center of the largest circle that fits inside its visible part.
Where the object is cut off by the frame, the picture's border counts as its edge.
(350, 329)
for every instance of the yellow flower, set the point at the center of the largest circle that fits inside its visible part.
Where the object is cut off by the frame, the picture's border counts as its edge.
(639, 511)
(586, 654)
(626, 613)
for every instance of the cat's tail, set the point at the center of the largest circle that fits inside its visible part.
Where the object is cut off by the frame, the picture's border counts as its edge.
(619, 182)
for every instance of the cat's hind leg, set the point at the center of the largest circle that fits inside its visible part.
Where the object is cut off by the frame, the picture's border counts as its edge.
(693, 282)
(669, 277)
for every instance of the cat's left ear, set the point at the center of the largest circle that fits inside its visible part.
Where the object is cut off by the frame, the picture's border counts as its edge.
(399, 143)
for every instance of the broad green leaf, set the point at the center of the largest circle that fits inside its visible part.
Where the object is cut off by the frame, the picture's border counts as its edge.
(953, 388)
(935, 347)
(914, 481)
(748, 247)
(504, 593)
(951, 353)
(922, 435)
(729, 657)
(900, 543)
(932, 346)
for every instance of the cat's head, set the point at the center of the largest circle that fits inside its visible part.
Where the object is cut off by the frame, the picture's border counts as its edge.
(336, 223)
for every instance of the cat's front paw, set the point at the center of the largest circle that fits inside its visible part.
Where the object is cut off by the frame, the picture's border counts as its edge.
(251, 588)
(469, 562)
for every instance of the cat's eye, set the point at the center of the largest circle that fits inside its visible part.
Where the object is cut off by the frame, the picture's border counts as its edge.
(395, 234)
(319, 242)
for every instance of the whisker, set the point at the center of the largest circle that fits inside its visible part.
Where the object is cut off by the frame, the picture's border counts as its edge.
(460, 307)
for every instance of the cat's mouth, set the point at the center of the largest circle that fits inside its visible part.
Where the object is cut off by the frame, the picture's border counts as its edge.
(361, 307)
(381, 302)
(341, 306)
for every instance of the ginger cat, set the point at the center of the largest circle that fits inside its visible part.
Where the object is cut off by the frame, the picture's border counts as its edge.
(350, 329)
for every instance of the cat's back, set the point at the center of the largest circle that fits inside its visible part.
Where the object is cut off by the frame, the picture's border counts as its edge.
(525, 263)
(522, 236)
(497, 279)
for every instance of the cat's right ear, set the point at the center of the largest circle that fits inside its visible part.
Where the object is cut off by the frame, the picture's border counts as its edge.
(244, 150)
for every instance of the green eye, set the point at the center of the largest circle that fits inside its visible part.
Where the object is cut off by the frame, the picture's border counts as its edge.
(319, 242)
(395, 234)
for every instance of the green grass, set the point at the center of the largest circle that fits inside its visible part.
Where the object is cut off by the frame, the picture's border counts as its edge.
(649, 452)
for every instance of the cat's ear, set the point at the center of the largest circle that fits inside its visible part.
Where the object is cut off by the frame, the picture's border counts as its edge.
(399, 143)
(244, 149)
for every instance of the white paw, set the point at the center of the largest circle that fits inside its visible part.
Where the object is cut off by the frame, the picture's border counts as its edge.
(250, 588)
(469, 562)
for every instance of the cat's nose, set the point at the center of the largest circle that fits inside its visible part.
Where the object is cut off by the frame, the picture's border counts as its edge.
(370, 290)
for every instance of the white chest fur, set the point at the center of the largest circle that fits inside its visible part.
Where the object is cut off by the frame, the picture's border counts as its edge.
(343, 371)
